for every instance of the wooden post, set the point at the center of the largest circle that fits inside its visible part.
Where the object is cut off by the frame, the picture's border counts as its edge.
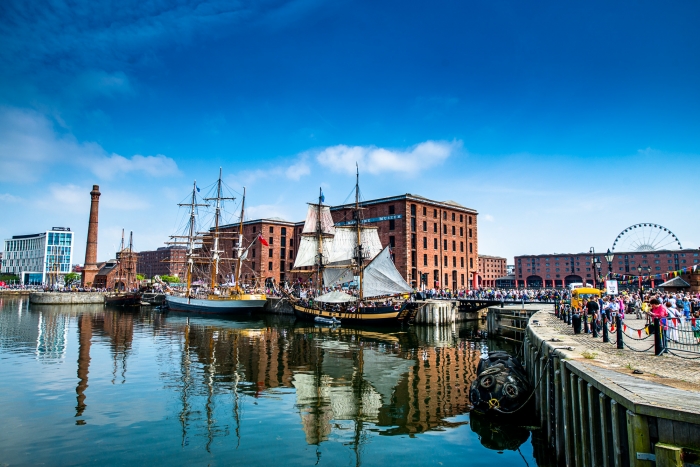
(604, 428)
(585, 421)
(594, 436)
(616, 435)
(566, 414)
(576, 420)
(668, 456)
(638, 438)
(544, 400)
(549, 402)
(559, 417)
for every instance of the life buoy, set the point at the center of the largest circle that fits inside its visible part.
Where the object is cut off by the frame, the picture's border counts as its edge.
(397, 307)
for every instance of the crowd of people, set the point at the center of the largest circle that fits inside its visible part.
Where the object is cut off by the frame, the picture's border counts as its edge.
(681, 309)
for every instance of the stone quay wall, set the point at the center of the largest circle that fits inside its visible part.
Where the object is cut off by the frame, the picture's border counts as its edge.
(594, 409)
(437, 313)
(66, 298)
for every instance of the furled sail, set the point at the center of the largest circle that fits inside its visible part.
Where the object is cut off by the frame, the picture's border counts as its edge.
(345, 241)
(308, 251)
(381, 277)
(310, 225)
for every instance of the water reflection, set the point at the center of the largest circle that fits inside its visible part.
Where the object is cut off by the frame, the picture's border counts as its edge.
(222, 377)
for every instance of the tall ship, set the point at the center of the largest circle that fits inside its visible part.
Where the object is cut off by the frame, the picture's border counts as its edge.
(222, 292)
(126, 288)
(347, 254)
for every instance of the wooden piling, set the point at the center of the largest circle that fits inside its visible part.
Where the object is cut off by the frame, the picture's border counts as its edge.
(585, 419)
(604, 404)
(638, 438)
(566, 412)
(594, 436)
(616, 435)
(576, 421)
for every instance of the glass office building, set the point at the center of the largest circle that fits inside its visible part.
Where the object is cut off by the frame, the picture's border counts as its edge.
(39, 259)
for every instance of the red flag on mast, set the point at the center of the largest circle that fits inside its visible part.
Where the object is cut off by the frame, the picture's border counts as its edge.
(262, 240)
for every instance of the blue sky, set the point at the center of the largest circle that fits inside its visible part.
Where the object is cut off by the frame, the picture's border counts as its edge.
(562, 124)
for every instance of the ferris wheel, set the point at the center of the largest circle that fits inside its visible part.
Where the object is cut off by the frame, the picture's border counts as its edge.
(646, 237)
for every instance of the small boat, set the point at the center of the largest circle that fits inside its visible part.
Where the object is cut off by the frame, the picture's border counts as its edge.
(152, 298)
(501, 387)
(328, 321)
(123, 299)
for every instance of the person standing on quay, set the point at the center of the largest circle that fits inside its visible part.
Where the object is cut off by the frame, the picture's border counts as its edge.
(593, 308)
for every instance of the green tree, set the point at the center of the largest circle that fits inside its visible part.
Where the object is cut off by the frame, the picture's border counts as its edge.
(9, 278)
(169, 279)
(140, 277)
(71, 278)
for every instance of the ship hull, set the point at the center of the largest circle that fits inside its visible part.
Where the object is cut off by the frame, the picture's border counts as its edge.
(218, 306)
(375, 316)
(123, 299)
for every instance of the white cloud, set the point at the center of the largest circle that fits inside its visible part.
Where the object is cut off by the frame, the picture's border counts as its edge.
(155, 166)
(294, 172)
(8, 198)
(488, 217)
(298, 170)
(374, 160)
(29, 147)
(266, 211)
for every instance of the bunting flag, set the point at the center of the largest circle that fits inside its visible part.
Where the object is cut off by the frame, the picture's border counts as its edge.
(692, 322)
(624, 327)
(639, 333)
(646, 329)
(612, 328)
(674, 322)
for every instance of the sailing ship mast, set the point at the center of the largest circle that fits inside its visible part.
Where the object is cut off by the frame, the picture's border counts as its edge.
(119, 261)
(239, 259)
(130, 279)
(319, 236)
(358, 226)
(215, 252)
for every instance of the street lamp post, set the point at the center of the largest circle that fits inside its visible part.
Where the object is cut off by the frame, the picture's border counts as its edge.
(597, 264)
(592, 252)
(609, 258)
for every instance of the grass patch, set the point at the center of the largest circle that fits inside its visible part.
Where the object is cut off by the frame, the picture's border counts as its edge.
(589, 355)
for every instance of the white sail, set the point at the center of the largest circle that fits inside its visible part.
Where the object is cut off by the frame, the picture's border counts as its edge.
(381, 277)
(345, 241)
(310, 225)
(337, 275)
(308, 251)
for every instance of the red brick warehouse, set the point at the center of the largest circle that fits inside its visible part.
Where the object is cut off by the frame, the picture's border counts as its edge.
(433, 238)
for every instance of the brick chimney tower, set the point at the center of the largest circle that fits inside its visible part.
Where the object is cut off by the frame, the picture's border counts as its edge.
(90, 267)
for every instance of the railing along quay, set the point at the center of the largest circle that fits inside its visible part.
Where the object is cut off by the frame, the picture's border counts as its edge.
(675, 336)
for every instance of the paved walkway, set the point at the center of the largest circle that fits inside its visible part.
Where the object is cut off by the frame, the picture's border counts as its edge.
(666, 369)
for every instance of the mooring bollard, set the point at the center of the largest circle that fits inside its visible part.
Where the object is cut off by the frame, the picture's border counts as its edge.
(618, 324)
(605, 328)
(658, 347)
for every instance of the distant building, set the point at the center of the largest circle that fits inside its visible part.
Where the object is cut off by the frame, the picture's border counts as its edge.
(490, 269)
(266, 263)
(433, 242)
(164, 261)
(560, 270)
(119, 273)
(41, 258)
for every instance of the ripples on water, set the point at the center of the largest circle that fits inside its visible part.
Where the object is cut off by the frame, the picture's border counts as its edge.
(84, 384)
